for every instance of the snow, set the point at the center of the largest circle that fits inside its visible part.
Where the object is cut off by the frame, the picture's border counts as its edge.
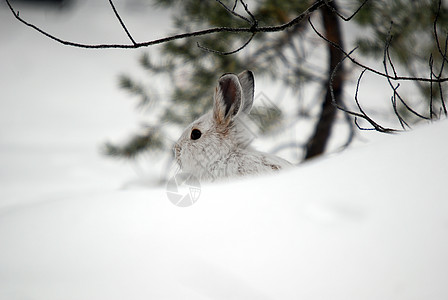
(367, 223)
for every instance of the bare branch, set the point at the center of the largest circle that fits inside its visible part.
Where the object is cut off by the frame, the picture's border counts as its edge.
(253, 29)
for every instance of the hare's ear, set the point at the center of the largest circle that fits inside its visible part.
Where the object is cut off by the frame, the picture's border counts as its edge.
(228, 98)
(247, 82)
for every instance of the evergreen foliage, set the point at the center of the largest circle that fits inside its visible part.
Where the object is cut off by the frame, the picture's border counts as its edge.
(150, 139)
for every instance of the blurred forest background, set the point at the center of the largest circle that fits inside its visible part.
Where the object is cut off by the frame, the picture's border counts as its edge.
(401, 31)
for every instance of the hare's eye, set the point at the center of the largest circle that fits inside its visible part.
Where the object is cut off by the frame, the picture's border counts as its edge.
(195, 134)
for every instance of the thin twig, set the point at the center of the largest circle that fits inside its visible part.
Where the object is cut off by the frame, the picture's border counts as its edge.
(335, 11)
(365, 116)
(443, 54)
(393, 98)
(387, 56)
(361, 114)
(362, 128)
(436, 36)
(352, 132)
(230, 52)
(246, 8)
(121, 22)
(431, 99)
(233, 12)
(404, 78)
(387, 52)
(234, 4)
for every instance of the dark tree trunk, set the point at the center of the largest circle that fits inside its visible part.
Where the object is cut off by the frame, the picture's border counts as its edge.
(332, 31)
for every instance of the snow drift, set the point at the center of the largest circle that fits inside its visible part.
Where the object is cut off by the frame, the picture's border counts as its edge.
(369, 223)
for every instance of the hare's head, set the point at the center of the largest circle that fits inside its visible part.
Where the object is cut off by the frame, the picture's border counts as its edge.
(220, 132)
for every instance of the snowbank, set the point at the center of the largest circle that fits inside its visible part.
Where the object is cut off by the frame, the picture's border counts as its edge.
(370, 223)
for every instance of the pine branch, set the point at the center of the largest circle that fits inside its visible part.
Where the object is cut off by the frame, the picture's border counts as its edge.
(136, 89)
(138, 144)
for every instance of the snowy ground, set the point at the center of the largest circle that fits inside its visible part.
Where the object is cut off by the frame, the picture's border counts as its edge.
(368, 223)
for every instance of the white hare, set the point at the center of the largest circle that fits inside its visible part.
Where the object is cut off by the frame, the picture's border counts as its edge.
(216, 145)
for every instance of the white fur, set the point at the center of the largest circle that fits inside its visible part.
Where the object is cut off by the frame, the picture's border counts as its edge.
(223, 149)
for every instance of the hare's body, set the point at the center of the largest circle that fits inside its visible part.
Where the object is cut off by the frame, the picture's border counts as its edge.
(241, 162)
(217, 144)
